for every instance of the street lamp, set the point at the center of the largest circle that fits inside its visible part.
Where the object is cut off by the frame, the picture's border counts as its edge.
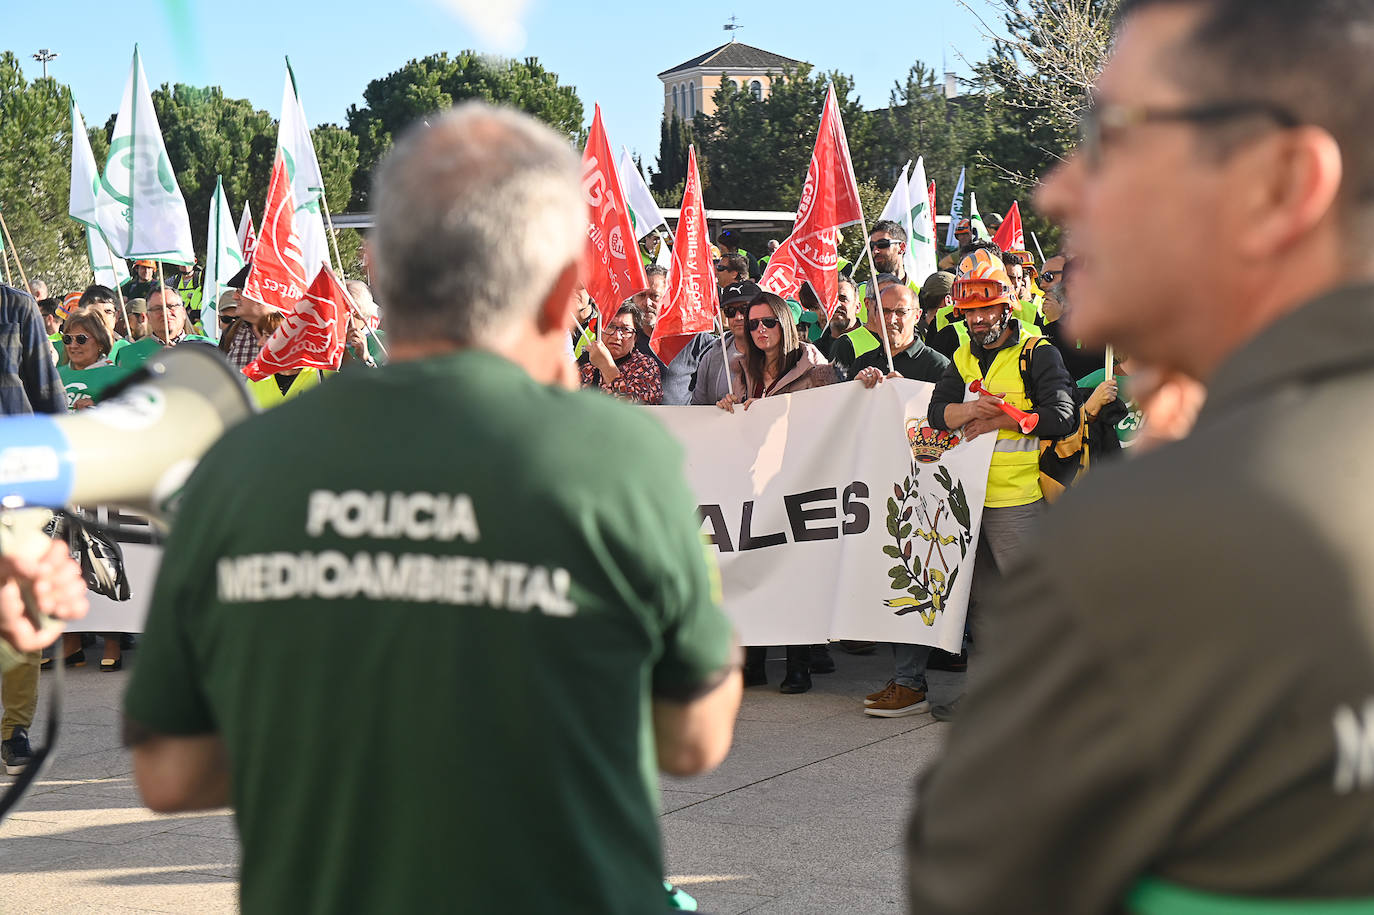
(43, 56)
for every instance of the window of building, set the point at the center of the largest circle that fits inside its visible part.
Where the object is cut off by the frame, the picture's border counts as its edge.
(756, 88)
(691, 99)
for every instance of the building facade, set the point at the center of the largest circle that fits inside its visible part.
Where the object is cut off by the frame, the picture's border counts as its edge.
(690, 87)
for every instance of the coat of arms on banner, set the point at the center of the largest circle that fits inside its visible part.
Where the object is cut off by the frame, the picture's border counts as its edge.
(928, 520)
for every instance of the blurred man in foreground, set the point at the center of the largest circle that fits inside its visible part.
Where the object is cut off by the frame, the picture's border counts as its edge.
(365, 777)
(1176, 699)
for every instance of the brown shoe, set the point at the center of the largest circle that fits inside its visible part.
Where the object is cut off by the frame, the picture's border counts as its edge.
(899, 702)
(874, 697)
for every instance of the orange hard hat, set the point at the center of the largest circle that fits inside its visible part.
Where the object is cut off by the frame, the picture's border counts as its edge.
(981, 280)
(70, 301)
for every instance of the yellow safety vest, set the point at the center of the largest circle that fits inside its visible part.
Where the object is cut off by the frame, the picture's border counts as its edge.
(863, 340)
(1014, 476)
(268, 395)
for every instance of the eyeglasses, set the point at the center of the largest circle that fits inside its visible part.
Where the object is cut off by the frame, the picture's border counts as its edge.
(79, 339)
(768, 323)
(897, 312)
(152, 310)
(618, 330)
(720, 267)
(1105, 118)
(734, 311)
(883, 244)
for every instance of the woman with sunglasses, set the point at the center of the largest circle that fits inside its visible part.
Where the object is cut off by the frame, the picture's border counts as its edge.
(86, 336)
(777, 361)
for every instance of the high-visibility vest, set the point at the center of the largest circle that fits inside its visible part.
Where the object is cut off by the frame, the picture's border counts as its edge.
(863, 297)
(1152, 896)
(863, 340)
(268, 395)
(1014, 476)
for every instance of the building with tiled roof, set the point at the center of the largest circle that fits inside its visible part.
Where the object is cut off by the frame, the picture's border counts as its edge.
(690, 87)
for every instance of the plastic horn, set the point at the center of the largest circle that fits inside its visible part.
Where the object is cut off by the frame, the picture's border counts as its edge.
(1026, 421)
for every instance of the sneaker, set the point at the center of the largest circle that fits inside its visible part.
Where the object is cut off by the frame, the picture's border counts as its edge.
(946, 712)
(874, 697)
(15, 752)
(899, 702)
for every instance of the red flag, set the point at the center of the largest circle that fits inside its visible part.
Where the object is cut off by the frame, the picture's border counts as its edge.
(614, 270)
(312, 336)
(692, 293)
(248, 238)
(277, 277)
(1009, 235)
(829, 202)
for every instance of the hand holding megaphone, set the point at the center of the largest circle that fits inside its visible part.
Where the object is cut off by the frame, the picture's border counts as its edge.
(135, 450)
(1025, 421)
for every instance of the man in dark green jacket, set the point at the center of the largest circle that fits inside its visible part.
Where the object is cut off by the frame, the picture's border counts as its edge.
(1175, 704)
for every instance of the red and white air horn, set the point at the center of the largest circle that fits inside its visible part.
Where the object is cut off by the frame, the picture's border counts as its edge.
(1026, 421)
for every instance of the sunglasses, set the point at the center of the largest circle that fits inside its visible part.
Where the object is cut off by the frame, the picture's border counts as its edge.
(226, 320)
(884, 244)
(768, 323)
(79, 339)
(1050, 276)
(734, 311)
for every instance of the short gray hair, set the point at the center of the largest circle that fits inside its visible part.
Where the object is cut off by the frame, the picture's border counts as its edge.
(477, 213)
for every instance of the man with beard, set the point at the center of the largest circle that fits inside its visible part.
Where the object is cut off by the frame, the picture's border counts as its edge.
(849, 337)
(993, 354)
(888, 241)
(711, 381)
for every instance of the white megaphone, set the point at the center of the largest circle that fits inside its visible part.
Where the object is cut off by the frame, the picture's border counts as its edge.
(135, 450)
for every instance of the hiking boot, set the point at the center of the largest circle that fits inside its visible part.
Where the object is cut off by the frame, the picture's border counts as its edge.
(947, 712)
(15, 752)
(899, 702)
(821, 661)
(874, 697)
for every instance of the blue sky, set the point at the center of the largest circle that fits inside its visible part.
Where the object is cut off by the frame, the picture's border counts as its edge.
(612, 55)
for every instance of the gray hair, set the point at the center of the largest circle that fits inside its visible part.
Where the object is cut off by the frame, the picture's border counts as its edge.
(477, 214)
(654, 270)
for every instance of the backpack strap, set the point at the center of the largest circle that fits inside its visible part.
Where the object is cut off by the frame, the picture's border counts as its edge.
(1026, 349)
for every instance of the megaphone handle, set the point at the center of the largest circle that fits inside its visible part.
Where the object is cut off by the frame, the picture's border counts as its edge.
(21, 535)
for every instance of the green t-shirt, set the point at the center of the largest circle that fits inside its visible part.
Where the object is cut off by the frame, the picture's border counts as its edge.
(1129, 426)
(137, 353)
(432, 667)
(90, 382)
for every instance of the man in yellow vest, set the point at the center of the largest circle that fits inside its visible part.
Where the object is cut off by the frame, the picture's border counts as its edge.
(992, 354)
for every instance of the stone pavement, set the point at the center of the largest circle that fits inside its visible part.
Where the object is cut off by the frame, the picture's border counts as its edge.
(805, 816)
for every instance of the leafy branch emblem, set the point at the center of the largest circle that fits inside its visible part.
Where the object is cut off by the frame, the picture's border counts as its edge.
(910, 518)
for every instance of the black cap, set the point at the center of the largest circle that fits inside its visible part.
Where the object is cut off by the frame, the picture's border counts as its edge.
(728, 235)
(739, 292)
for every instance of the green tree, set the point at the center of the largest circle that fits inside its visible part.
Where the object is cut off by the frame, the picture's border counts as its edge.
(35, 169)
(670, 177)
(430, 84)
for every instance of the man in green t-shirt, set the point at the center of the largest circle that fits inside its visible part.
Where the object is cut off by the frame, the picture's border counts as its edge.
(168, 324)
(548, 531)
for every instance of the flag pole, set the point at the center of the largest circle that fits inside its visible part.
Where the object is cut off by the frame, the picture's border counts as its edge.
(162, 288)
(119, 294)
(367, 325)
(1038, 249)
(10, 247)
(1111, 363)
(9, 278)
(877, 295)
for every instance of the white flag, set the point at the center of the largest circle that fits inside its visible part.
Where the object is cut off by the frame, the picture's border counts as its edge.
(956, 212)
(246, 234)
(980, 231)
(108, 269)
(307, 184)
(898, 210)
(920, 250)
(643, 210)
(223, 258)
(139, 206)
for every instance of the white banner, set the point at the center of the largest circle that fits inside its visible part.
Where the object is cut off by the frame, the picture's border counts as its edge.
(838, 513)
